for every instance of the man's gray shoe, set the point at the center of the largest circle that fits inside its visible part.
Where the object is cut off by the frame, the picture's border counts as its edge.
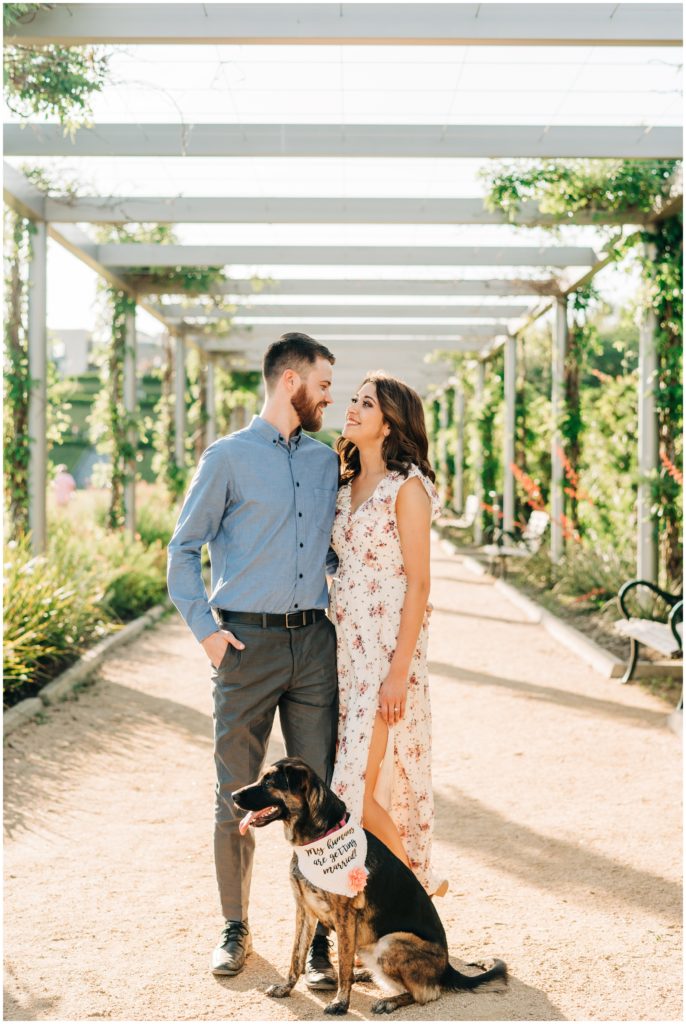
(319, 973)
(234, 945)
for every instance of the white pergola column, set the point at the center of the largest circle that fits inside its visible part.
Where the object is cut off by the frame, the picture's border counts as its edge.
(180, 401)
(478, 454)
(130, 407)
(443, 446)
(211, 424)
(557, 402)
(458, 486)
(510, 354)
(647, 542)
(38, 392)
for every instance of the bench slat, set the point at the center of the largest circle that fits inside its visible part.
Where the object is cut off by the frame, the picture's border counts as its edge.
(657, 635)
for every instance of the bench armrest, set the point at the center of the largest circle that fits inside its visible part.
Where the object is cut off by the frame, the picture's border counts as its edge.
(670, 599)
(675, 616)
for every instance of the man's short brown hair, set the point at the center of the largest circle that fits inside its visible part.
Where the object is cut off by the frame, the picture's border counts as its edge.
(293, 351)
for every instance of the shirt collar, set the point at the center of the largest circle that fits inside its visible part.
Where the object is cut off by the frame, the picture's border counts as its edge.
(271, 434)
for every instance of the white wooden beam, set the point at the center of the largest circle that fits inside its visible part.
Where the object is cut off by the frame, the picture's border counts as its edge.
(242, 289)
(310, 210)
(349, 140)
(371, 345)
(473, 24)
(134, 254)
(436, 333)
(256, 313)
(22, 196)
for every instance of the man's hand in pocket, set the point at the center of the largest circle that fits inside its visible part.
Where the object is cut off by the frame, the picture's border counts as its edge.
(215, 645)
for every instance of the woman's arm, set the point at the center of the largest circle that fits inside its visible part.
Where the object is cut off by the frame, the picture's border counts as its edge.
(413, 514)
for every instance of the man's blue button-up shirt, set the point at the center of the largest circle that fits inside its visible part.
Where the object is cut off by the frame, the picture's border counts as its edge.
(265, 506)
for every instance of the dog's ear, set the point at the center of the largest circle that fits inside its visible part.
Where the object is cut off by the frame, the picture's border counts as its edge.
(296, 778)
(324, 806)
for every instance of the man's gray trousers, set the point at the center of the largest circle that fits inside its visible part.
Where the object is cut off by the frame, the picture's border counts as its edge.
(294, 670)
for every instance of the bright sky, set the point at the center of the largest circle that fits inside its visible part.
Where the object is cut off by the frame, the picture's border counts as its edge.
(315, 84)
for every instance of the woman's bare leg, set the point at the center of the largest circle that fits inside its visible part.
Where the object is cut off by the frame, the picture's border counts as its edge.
(374, 818)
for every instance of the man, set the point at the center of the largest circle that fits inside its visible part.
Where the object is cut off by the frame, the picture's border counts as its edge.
(263, 499)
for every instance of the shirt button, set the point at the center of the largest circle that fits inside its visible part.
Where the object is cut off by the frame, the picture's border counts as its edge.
(300, 575)
(300, 515)
(274, 441)
(295, 606)
(301, 544)
(297, 484)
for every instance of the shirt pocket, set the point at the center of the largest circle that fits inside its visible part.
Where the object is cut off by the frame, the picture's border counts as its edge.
(324, 507)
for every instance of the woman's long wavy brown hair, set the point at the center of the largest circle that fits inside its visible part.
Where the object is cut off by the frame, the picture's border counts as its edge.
(406, 443)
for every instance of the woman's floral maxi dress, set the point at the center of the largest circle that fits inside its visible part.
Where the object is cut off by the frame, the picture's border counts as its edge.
(366, 603)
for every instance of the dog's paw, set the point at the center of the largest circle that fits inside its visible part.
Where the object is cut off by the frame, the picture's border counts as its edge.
(363, 975)
(337, 1008)
(384, 1006)
(278, 991)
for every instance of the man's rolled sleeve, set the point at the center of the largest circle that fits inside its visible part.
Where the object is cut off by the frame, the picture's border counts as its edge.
(199, 522)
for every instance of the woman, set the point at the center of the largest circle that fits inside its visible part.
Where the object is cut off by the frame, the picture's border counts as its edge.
(379, 607)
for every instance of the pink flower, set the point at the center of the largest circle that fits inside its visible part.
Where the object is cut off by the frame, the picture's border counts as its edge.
(357, 879)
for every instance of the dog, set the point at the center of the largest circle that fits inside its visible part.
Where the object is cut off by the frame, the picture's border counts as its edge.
(391, 924)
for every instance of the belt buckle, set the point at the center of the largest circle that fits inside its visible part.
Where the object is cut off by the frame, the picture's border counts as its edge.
(295, 625)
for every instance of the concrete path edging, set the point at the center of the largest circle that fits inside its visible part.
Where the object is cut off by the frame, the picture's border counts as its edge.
(598, 657)
(605, 663)
(60, 687)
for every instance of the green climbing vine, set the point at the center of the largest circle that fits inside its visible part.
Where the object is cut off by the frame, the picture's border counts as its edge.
(17, 388)
(163, 430)
(562, 189)
(57, 81)
(112, 428)
(488, 424)
(111, 424)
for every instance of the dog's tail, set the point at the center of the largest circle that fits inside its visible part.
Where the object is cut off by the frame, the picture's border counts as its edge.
(453, 981)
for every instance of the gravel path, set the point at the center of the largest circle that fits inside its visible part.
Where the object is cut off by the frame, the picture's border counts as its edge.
(558, 824)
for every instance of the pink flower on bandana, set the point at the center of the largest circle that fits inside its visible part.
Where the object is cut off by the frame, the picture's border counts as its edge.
(357, 877)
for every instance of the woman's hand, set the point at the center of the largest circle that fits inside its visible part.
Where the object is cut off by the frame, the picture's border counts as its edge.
(392, 697)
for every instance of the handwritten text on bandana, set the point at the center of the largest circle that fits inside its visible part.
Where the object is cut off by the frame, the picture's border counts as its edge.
(335, 862)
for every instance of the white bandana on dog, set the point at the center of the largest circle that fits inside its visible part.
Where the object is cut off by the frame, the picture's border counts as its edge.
(335, 862)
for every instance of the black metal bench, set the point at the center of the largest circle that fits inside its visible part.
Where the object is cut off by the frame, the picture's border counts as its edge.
(663, 637)
(508, 545)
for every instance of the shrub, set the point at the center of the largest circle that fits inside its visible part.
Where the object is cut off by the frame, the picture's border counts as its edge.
(133, 591)
(52, 613)
(58, 604)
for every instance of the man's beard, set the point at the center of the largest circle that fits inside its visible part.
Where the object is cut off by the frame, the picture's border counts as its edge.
(310, 412)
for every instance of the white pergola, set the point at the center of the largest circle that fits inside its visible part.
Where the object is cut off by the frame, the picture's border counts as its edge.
(411, 314)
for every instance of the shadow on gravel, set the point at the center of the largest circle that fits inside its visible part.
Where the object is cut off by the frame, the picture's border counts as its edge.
(484, 618)
(31, 1007)
(645, 717)
(107, 718)
(550, 864)
(490, 1003)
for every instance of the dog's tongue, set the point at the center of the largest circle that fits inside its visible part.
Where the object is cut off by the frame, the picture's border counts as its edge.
(245, 822)
(251, 817)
